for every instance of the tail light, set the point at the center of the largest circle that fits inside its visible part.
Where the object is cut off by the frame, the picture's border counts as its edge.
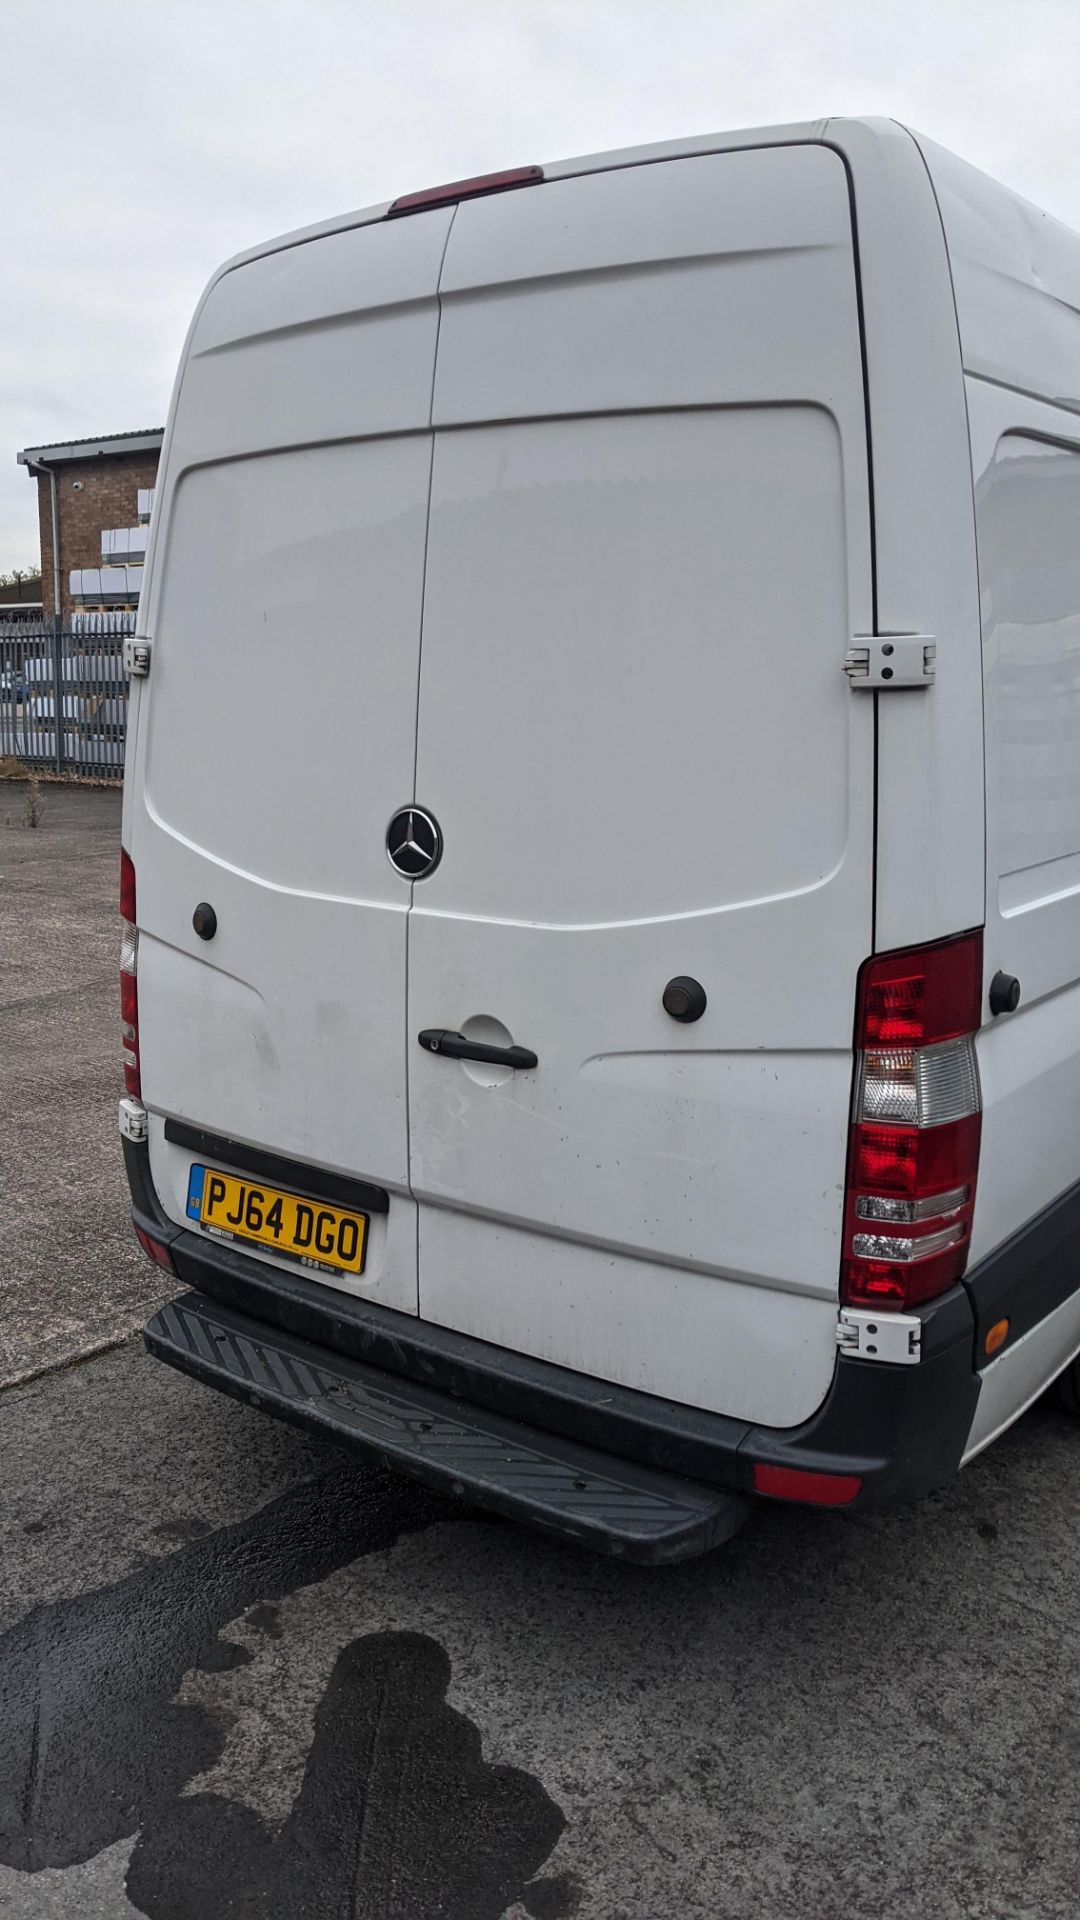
(913, 1156)
(129, 985)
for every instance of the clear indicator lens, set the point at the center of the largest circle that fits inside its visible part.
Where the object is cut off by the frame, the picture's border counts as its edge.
(933, 1206)
(899, 1248)
(129, 949)
(877, 1206)
(924, 1087)
(888, 1089)
(947, 1080)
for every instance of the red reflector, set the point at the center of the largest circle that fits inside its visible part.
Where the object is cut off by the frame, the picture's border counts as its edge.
(921, 995)
(813, 1489)
(465, 190)
(127, 887)
(156, 1250)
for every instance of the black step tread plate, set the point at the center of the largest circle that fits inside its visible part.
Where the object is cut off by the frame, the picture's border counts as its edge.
(612, 1505)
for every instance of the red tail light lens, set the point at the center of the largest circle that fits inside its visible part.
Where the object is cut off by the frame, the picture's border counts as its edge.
(914, 1151)
(923, 995)
(465, 190)
(127, 887)
(129, 986)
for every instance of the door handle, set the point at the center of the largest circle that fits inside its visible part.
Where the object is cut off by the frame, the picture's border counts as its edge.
(456, 1047)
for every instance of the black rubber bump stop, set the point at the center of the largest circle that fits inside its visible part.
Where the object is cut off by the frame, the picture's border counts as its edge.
(684, 998)
(1004, 993)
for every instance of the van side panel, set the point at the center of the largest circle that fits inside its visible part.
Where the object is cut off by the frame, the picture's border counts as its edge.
(1027, 458)
(1016, 274)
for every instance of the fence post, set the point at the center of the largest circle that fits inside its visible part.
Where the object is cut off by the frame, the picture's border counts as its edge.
(58, 689)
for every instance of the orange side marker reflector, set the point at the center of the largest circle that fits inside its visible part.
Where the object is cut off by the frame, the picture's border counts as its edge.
(996, 1337)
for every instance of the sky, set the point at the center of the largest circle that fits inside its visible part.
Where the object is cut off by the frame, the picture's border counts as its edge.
(145, 141)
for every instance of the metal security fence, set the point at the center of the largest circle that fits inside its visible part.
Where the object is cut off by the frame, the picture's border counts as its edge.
(63, 694)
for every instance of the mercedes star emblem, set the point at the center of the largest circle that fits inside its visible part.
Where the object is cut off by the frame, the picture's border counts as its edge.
(413, 843)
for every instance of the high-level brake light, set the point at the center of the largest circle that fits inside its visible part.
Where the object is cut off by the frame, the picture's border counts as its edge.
(914, 1150)
(471, 189)
(129, 986)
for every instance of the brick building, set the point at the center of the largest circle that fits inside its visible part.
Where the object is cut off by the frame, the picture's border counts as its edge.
(101, 491)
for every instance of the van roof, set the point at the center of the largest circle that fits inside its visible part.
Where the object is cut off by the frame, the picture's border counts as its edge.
(1015, 269)
(793, 133)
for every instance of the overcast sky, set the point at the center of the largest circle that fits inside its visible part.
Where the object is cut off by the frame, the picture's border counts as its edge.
(144, 141)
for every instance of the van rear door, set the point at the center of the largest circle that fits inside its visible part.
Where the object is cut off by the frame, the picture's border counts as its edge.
(276, 731)
(648, 550)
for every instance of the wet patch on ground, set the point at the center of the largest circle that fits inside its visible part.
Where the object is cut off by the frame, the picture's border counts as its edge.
(90, 1738)
(398, 1816)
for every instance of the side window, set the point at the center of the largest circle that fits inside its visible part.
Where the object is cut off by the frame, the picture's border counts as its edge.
(1028, 509)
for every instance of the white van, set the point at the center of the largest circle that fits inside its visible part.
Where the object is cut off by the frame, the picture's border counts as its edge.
(602, 826)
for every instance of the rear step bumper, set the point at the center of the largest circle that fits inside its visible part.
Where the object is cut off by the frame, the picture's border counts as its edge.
(611, 1505)
(901, 1429)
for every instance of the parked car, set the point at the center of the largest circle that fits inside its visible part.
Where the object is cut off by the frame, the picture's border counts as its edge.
(619, 1053)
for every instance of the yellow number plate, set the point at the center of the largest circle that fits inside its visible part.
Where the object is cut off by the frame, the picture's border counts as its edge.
(309, 1231)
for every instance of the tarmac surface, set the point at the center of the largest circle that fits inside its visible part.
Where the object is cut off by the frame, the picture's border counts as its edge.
(245, 1677)
(71, 1273)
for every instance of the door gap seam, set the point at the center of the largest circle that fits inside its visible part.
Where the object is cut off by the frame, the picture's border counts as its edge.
(416, 744)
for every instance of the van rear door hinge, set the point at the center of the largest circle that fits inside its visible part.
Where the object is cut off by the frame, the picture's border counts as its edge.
(893, 1337)
(878, 663)
(137, 656)
(132, 1119)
